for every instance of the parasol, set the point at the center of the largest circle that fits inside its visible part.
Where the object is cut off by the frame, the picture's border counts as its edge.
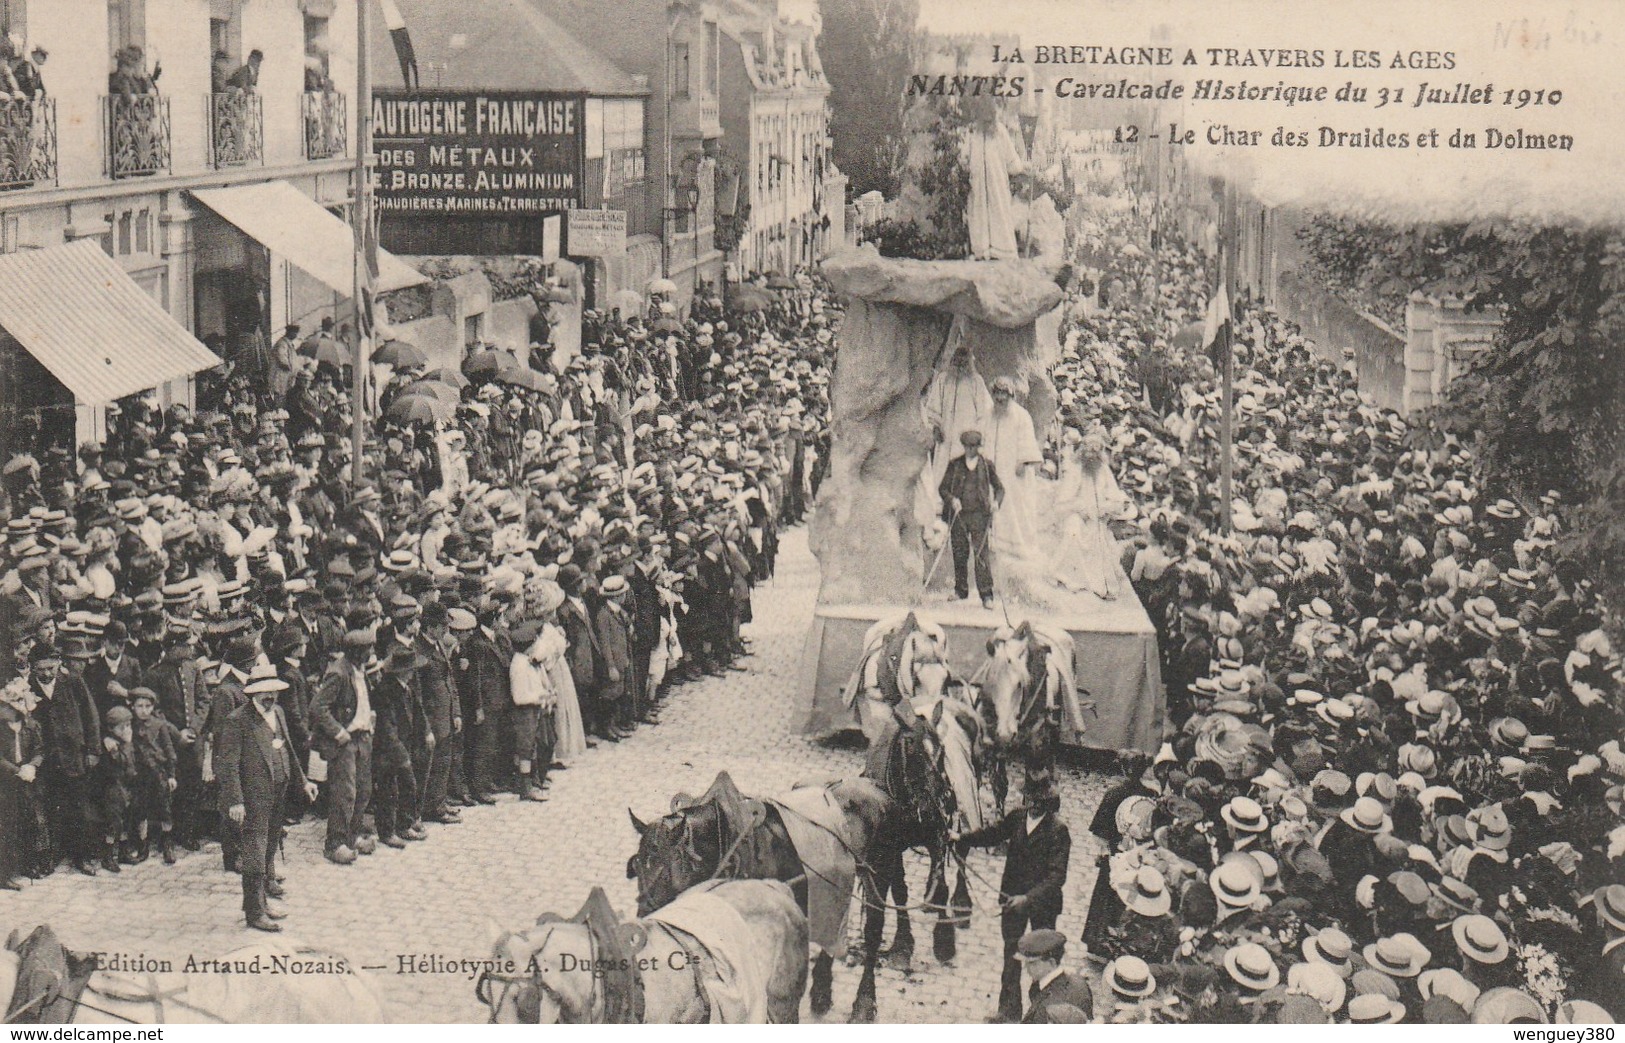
(401, 355)
(419, 409)
(444, 392)
(324, 349)
(446, 375)
(489, 363)
(667, 324)
(665, 286)
(630, 302)
(775, 281)
(748, 298)
(524, 377)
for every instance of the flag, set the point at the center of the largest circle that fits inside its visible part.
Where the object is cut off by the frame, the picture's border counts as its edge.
(1218, 319)
(401, 37)
(366, 272)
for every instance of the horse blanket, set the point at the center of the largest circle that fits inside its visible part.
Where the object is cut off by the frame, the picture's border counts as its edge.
(49, 979)
(816, 825)
(733, 971)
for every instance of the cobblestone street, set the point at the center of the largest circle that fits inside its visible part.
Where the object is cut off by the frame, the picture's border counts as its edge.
(510, 862)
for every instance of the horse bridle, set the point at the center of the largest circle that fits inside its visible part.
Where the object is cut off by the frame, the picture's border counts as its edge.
(534, 980)
(1031, 706)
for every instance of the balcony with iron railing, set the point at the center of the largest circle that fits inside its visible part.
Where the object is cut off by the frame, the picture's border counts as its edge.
(325, 119)
(236, 128)
(136, 134)
(27, 143)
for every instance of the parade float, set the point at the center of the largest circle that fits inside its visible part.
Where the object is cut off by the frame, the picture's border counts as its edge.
(960, 293)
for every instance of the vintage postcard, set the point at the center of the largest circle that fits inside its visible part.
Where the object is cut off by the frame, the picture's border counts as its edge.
(811, 511)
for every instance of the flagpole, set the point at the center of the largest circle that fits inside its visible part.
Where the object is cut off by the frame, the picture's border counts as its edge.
(1227, 254)
(362, 214)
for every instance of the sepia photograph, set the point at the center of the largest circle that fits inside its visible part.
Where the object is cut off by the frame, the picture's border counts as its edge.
(917, 512)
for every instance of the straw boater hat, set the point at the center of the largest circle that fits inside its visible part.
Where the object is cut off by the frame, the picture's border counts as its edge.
(1249, 965)
(1480, 939)
(1333, 948)
(1150, 896)
(1398, 956)
(1368, 816)
(1508, 1006)
(1320, 982)
(1235, 885)
(1447, 982)
(1129, 977)
(1374, 1008)
(1245, 815)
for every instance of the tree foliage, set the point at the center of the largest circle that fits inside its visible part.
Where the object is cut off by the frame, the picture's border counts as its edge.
(1545, 406)
(868, 48)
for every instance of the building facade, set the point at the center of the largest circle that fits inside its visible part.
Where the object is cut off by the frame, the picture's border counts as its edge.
(136, 118)
(775, 117)
(675, 45)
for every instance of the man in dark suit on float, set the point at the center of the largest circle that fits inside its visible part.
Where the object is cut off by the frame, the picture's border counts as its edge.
(971, 492)
(1039, 847)
(257, 763)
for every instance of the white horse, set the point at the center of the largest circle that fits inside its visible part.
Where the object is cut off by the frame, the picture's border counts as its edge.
(1025, 689)
(726, 951)
(905, 660)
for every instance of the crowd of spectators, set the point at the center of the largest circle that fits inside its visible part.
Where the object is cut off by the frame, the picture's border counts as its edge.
(1392, 788)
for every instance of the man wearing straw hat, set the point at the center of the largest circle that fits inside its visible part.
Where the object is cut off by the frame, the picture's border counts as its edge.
(256, 765)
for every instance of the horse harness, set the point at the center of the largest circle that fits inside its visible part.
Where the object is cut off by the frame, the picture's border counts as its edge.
(157, 996)
(529, 1007)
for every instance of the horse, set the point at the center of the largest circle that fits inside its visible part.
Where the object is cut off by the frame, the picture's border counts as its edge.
(905, 659)
(728, 951)
(904, 676)
(1023, 690)
(43, 982)
(811, 839)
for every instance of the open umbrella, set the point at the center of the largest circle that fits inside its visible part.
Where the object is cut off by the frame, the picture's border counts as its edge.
(667, 324)
(775, 281)
(748, 298)
(489, 363)
(419, 409)
(444, 392)
(522, 378)
(324, 348)
(446, 375)
(401, 355)
(630, 302)
(665, 286)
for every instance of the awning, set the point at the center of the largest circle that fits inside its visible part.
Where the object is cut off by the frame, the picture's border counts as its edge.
(75, 310)
(294, 226)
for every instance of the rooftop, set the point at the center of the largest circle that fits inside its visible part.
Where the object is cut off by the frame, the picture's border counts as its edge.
(496, 45)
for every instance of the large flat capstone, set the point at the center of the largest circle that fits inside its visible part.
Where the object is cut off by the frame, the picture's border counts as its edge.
(1007, 294)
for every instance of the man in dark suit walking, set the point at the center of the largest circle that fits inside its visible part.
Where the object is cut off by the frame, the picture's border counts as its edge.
(1041, 953)
(257, 763)
(971, 492)
(1039, 848)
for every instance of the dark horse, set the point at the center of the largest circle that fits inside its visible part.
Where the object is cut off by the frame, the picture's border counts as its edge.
(812, 840)
(905, 760)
